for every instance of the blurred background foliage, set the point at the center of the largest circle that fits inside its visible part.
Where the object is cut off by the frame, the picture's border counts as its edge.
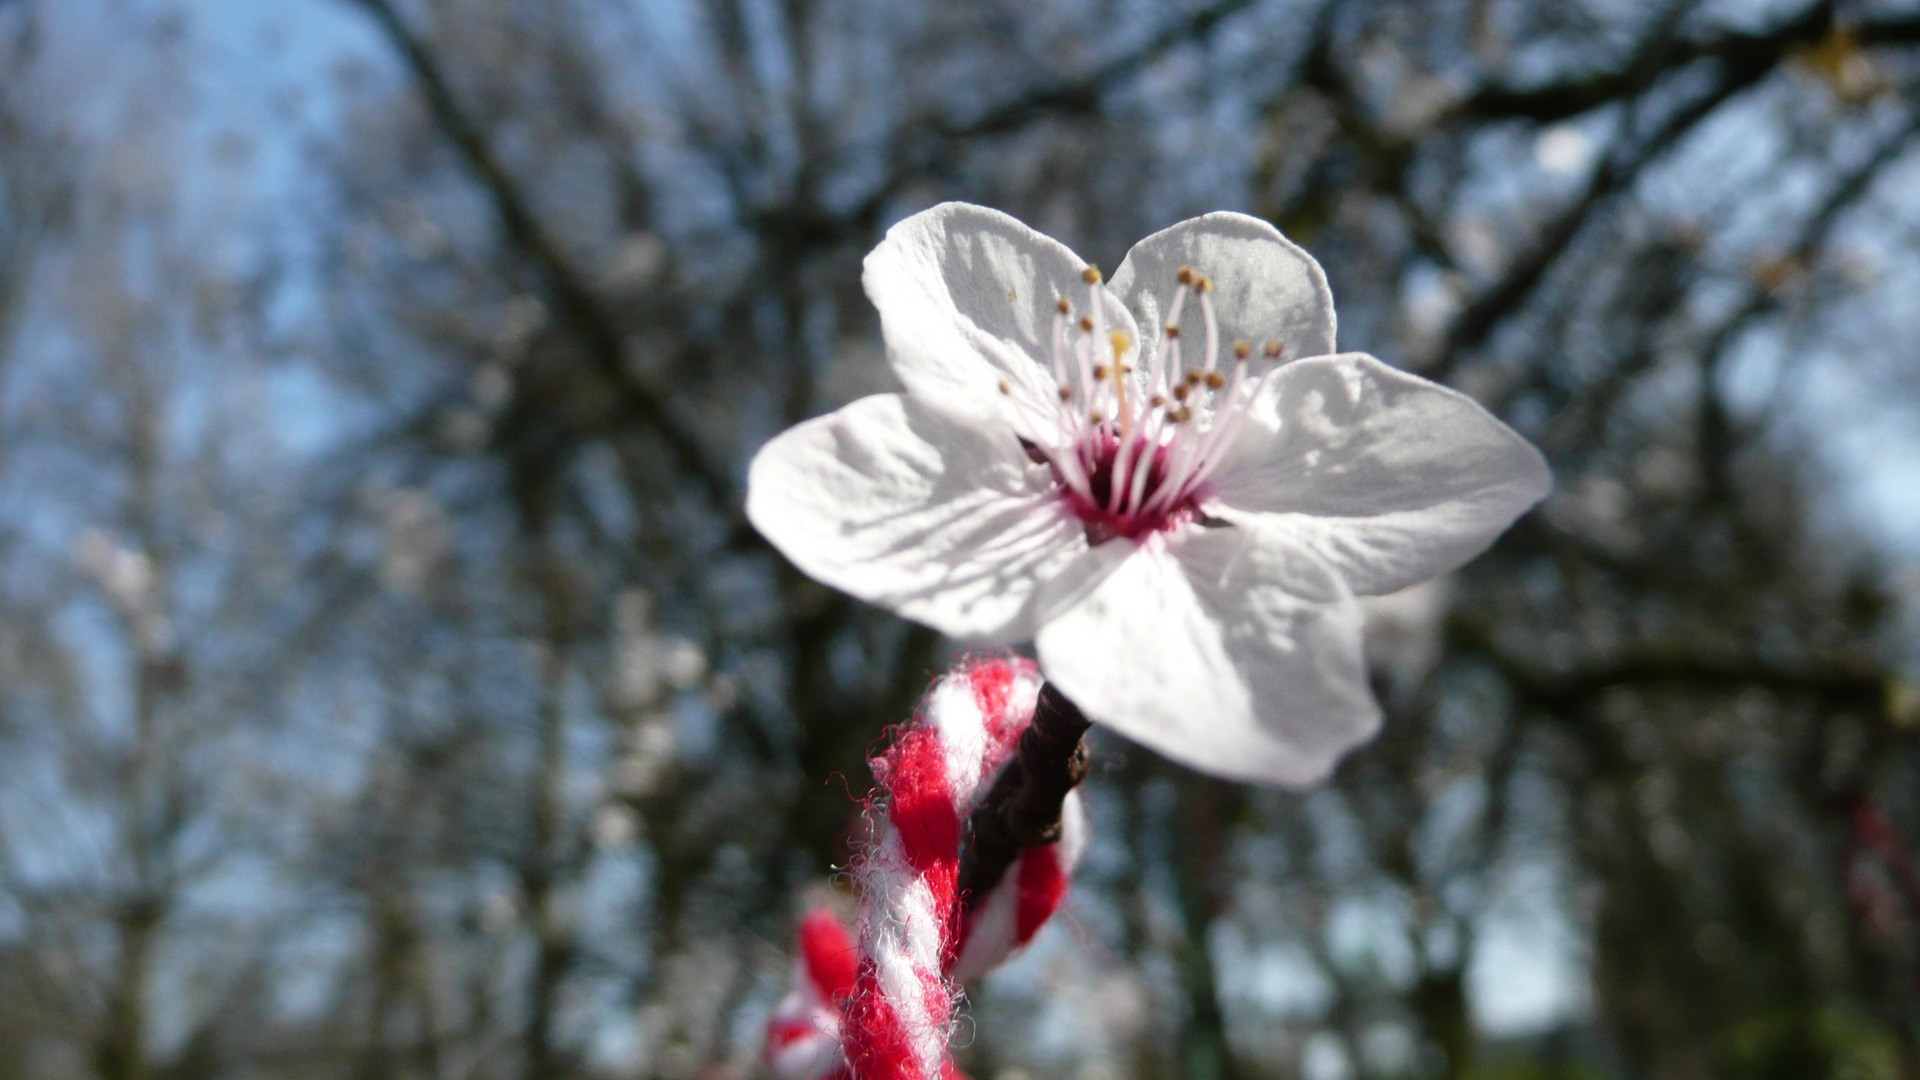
(391, 687)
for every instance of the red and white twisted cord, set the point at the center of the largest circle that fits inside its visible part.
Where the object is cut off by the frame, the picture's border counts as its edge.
(892, 1022)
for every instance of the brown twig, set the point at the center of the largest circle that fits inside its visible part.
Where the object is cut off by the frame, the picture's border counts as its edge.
(1022, 809)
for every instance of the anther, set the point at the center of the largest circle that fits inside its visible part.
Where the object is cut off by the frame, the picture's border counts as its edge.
(1180, 392)
(1216, 380)
(1242, 350)
(1157, 400)
(1182, 414)
(1091, 275)
(1063, 305)
(1202, 284)
(1095, 418)
(1194, 375)
(1173, 331)
(1099, 371)
(1272, 349)
(1005, 388)
(1185, 276)
(1086, 324)
(1066, 393)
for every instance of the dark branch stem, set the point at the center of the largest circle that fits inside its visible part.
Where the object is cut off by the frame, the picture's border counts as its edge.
(1022, 809)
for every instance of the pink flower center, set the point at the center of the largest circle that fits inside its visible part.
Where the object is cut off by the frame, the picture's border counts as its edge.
(1099, 460)
(1132, 450)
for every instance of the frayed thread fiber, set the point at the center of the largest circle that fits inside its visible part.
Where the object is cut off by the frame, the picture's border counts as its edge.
(894, 1021)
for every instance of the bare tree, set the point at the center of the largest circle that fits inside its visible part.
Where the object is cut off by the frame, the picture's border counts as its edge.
(470, 730)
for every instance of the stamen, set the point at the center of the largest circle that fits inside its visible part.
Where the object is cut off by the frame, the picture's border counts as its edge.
(1212, 449)
(1167, 361)
(1205, 289)
(1060, 341)
(1117, 476)
(1031, 420)
(1120, 342)
(1142, 472)
(1181, 452)
(1225, 428)
(1152, 425)
(1272, 350)
(1193, 456)
(1072, 472)
(1083, 355)
(1096, 324)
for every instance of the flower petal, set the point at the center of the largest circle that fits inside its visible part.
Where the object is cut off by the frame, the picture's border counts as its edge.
(1227, 649)
(1391, 478)
(905, 506)
(1265, 288)
(966, 298)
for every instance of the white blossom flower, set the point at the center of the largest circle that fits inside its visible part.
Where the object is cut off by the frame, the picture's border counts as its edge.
(1179, 520)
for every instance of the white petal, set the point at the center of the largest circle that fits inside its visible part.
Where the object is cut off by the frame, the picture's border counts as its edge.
(1226, 649)
(907, 507)
(966, 298)
(1390, 478)
(1265, 287)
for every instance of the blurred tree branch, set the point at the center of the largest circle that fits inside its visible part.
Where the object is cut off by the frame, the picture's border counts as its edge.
(1664, 52)
(933, 151)
(576, 298)
(1616, 174)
